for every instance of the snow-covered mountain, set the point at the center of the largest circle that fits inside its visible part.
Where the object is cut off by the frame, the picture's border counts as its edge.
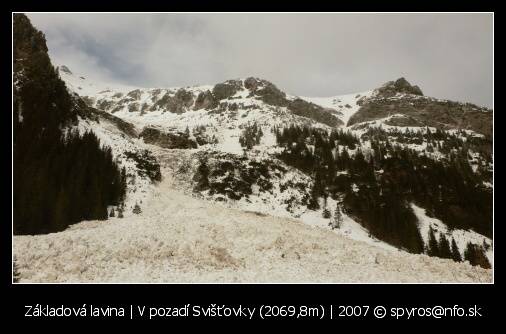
(239, 181)
(183, 125)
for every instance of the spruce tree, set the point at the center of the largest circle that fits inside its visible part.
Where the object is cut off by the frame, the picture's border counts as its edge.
(455, 252)
(337, 220)
(202, 176)
(469, 253)
(15, 273)
(444, 247)
(112, 213)
(476, 256)
(432, 247)
(51, 191)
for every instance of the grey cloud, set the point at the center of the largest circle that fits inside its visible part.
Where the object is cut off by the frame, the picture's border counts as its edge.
(447, 55)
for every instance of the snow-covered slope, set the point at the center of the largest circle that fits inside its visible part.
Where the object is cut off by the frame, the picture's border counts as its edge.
(346, 105)
(461, 237)
(180, 107)
(83, 86)
(139, 186)
(179, 110)
(182, 239)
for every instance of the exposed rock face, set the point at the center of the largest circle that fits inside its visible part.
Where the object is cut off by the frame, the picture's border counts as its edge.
(419, 110)
(270, 94)
(88, 100)
(205, 100)
(310, 110)
(401, 120)
(133, 107)
(179, 103)
(135, 94)
(226, 89)
(400, 85)
(167, 140)
(266, 91)
(162, 103)
(422, 111)
(124, 126)
(182, 100)
(251, 83)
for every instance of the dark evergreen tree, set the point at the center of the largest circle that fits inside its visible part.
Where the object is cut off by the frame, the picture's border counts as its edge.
(15, 271)
(444, 247)
(201, 177)
(475, 254)
(455, 252)
(250, 136)
(337, 220)
(379, 186)
(432, 246)
(60, 177)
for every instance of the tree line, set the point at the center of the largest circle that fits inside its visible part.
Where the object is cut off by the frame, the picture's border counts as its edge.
(379, 183)
(59, 177)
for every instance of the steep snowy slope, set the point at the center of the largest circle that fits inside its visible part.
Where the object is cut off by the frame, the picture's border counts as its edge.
(239, 181)
(237, 101)
(183, 126)
(181, 239)
(347, 105)
(83, 86)
(461, 237)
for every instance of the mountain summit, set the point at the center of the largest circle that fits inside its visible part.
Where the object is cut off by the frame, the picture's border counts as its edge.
(400, 85)
(241, 181)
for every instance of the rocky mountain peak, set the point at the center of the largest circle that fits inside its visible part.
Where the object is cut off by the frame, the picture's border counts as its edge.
(400, 85)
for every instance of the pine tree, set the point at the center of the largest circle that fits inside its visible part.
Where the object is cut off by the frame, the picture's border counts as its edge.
(469, 253)
(432, 247)
(444, 247)
(202, 176)
(455, 252)
(476, 256)
(50, 190)
(137, 209)
(326, 213)
(112, 213)
(15, 272)
(337, 220)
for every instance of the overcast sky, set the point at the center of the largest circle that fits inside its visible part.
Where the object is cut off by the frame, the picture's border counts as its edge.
(447, 55)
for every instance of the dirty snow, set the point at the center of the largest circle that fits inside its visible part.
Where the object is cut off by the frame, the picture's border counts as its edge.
(179, 238)
(182, 239)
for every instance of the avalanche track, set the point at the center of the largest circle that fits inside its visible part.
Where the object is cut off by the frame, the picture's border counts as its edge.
(178, 238)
